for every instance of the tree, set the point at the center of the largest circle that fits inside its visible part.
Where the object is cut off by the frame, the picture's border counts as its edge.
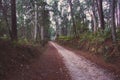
(94, 16)
(118, 13)
(72, 16)
(13, 19)
(45, 22)
(100, 11)
(113, 27)
(56, 16)
(0, 5)
(36, 23)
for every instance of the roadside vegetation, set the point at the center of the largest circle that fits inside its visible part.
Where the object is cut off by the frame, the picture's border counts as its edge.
(99, 43)
(15, 56)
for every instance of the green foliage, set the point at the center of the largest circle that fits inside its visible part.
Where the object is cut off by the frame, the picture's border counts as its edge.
(97, 37)
(20, 42)
(118, 34)
(3, 28)
(65, 38)
(81, 27)
(4, 37)
(23, 41)
(52, 31)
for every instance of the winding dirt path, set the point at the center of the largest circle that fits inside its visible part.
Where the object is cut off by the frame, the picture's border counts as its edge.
(81, 68)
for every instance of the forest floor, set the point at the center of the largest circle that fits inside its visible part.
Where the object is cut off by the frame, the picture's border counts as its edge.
(55, 63)
(27, 63)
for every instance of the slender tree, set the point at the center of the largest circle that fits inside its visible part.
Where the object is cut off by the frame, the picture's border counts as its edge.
(0, 4)
(118, 13)
(36, 21)
(55, 16)
(113, 27)
(14, 22)
(72, 16)
(101, 15)
(94, 16)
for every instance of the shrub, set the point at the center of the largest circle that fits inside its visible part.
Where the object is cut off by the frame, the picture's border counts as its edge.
(66, 38)
(97, 37)
(4, 37)
(20, 42)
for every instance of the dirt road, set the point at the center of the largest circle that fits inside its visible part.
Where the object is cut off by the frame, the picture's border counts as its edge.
(81, 68)
(58, 63)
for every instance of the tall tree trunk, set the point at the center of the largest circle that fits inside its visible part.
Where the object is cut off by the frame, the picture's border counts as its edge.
(14, 22)
(72, 16)
(35, 29)
(101, 16)
(94, 16)
(116, 16)
(113, 27)
(0, 5)
(42, 33)
(3, 10)
(94, 23)
(118, 9)
(57, 27)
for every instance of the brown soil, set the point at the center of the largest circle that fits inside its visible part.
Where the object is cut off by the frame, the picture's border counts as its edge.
(27, 63)
(113, 67)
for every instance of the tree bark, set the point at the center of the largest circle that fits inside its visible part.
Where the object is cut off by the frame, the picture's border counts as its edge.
(35, 29)
(42, 33)
(118, 13)
(113, 27)
(100, 11)
(0, 5)
(94, 17)
(14, 20)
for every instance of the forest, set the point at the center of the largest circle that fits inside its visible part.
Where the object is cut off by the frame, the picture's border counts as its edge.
(33, 31)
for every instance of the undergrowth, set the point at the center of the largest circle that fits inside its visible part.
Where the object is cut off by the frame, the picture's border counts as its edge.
(99, 43)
